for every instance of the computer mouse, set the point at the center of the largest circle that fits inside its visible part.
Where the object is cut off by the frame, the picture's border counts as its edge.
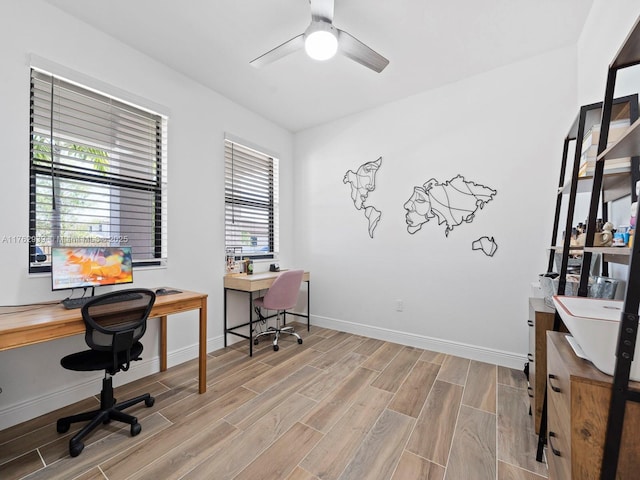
(161, 291)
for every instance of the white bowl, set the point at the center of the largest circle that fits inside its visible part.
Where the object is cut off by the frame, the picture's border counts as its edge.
(594, 325)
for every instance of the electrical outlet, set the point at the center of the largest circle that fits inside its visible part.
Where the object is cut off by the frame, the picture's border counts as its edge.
(399, 305)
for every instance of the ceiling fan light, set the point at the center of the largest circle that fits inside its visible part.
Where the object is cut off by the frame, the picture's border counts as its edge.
(321, 45)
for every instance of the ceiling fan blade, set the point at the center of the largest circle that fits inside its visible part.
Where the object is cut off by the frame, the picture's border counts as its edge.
(322, 10)
(358, 51)
(290, 46)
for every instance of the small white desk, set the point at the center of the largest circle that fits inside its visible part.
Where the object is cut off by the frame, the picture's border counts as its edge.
(241, 282)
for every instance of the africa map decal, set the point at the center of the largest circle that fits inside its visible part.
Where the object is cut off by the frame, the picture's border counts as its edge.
(362, 182)
(453, 203)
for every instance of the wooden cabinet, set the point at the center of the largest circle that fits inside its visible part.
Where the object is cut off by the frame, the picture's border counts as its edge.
(578, 405)
(540, 320)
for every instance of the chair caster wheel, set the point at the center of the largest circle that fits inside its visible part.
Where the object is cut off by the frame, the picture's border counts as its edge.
(75, 448)
(150, 401)
(256, 341)
(62, 427)
(136, 428)
(300, 341)
(276, 348)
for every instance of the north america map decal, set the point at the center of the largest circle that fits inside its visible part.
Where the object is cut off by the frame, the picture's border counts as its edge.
(363, 182)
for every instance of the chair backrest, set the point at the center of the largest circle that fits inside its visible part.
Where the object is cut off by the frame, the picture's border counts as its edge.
(115, 321)
(283, 292)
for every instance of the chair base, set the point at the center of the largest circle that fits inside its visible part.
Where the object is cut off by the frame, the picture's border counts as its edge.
(109, 410)
(276, 331)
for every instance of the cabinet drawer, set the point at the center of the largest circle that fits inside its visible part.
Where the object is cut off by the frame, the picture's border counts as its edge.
(559, 415)
(532, 368)
(558, 445)
(578, 407)
(541, 318)
(558, 384)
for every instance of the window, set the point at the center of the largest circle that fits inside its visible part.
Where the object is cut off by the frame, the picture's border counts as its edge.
(251, 202)
(97, 173)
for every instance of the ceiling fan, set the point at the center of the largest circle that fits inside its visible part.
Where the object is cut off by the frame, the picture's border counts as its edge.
(321, 40)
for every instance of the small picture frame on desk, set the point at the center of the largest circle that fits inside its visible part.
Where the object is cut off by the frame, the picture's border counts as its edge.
(232, 257)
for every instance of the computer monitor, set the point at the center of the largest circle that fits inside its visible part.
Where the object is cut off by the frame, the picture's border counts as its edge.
(78, 267)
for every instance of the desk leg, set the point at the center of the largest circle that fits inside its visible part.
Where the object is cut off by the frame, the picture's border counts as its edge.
(163, 343)
(225, 318)
(251, 324)
(309, 306)
(202, 379)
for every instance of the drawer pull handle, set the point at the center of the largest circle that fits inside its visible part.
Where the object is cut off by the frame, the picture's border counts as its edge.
(554, 450)
(553, 387)
(530, 323)
(530, 357)
(530, 392)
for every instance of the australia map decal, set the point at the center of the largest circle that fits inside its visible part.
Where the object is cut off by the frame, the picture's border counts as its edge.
(452, 203)
(486, 245)
(362, 182)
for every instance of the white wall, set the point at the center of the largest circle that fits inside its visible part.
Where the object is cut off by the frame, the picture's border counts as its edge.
(503, 129)
(31, 378)
(606, 28)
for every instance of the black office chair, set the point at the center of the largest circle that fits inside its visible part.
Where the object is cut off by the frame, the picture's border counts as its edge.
(281, 296)
(114, 323)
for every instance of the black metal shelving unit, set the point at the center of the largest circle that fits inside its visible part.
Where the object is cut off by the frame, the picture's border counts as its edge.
(588, 116)
(628, 146)
(607, 188)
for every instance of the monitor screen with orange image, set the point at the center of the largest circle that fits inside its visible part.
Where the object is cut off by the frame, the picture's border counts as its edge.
(78, 267)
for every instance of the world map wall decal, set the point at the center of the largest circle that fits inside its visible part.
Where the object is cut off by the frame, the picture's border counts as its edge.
(452, 203)
(362, 182)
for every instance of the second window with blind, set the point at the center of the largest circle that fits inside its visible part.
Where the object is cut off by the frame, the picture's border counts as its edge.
(251, 202)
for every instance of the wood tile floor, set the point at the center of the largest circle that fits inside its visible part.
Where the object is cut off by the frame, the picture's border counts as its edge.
(339, 406)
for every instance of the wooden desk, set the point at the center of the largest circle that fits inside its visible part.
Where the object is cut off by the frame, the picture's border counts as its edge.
(253, 283)
(44, 322)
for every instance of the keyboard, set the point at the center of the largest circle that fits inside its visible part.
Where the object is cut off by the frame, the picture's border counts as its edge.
(71, 303)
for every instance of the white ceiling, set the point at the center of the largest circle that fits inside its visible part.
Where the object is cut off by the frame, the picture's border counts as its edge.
(429, 43)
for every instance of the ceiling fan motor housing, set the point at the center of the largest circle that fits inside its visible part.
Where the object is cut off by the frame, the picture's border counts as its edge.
(321, 40)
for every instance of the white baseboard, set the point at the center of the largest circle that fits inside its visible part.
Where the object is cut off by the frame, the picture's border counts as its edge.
(473, 352)
(50, 401)
(71, 393)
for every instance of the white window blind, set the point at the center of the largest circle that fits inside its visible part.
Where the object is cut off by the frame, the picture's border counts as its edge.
(97, 173)
(251, 201)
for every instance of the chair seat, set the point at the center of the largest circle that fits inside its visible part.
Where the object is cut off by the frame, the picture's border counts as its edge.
(91, 360)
